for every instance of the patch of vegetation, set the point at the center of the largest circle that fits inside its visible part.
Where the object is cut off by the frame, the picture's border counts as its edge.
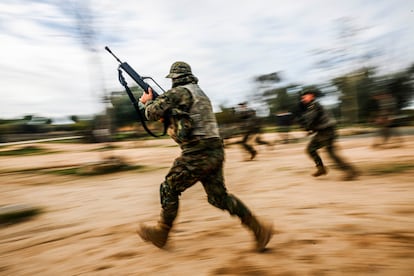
(389, 168)
(106, 147)
(27, 150)
(137, 136)
(125, 135)
(66, 141)
(17, 213)
(66, 171)
(95, 169)
(110, 164)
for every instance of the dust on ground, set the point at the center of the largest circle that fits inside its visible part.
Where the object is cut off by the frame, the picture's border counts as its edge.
(324, 226)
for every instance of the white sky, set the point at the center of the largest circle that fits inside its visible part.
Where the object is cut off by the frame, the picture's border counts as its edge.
(46, 71)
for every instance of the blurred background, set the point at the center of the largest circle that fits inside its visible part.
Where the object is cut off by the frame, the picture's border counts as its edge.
(57, 79)
(60, 211)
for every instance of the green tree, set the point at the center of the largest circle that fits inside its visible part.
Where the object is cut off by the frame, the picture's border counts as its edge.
(74, 118)
(123, 112)
(401, 86)
(282, 99)
(356, 89)
(226, 115)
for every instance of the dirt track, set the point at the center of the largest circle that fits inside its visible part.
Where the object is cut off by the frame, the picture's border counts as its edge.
(324, 226)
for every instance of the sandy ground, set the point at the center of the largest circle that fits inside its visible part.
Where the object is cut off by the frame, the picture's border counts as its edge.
(324, 226)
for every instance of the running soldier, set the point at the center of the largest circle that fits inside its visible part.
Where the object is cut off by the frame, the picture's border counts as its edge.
(251, 126)
(315, 119)
(385, 119)
(193, 126)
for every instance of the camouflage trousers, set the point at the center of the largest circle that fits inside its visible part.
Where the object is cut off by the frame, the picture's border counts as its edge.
(326, 138)
(204, 165)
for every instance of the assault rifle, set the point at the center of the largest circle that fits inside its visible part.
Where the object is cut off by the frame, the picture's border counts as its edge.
(144, 85)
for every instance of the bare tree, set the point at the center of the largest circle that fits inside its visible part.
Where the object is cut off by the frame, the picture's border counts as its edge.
(85, 23)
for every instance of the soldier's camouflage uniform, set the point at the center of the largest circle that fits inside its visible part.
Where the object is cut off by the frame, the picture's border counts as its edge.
(193, 126)
(385, 118)
(251, 126)
(315, 119)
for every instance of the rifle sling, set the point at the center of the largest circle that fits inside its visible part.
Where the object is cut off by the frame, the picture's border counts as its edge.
(136, 106)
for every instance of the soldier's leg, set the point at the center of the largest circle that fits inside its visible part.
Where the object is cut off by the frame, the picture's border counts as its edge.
(312, 150)
(350, 171)
(218, 197)
(258, 139)
(179, 178)
(158, 234)
(340, 162)
(249, 148)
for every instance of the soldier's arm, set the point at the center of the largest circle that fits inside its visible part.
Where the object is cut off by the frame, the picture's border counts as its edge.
(178, 97)
(158, 108)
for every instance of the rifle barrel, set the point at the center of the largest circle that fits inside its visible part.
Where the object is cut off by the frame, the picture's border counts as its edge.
(109, 50)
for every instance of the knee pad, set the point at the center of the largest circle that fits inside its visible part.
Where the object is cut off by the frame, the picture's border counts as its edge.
(167, 195)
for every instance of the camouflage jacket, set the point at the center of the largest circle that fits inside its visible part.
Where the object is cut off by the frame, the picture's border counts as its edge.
(176, 106)
(249, 122)
(315, 117)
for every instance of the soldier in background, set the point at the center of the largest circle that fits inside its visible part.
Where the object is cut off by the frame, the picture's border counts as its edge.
(251, 126)
(193, 126)
(385, 118)
(316, 121)
(284, 123)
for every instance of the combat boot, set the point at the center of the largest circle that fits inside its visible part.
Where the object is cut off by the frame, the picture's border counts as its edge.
(253, 154)
(157, 234)
(263, 232)
(321, 170)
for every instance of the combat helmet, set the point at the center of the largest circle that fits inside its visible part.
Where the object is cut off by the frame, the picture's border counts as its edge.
(316, 92)
(178, 69)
